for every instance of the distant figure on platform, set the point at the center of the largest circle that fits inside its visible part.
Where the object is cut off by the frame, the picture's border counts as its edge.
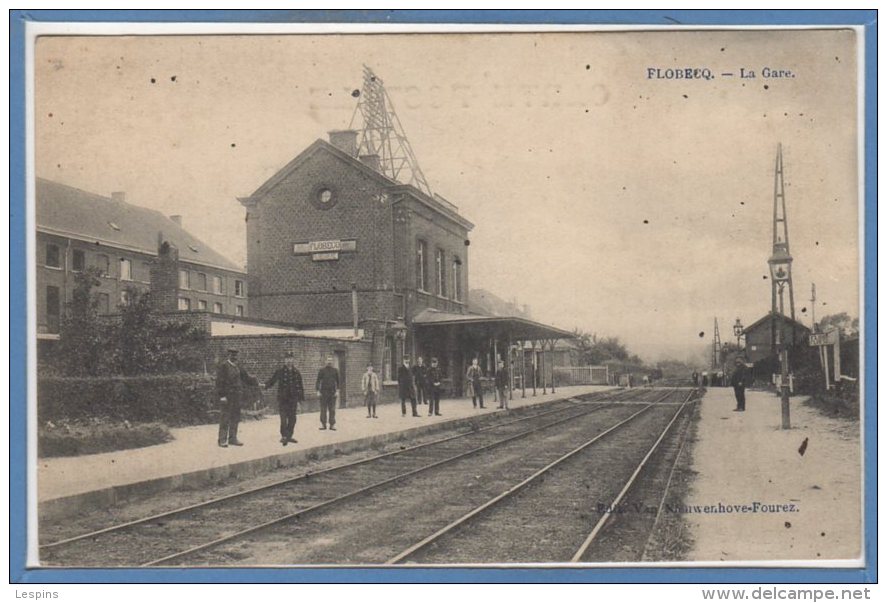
(230, 379)
(474, 376)
(406, 387)
(739, 380)
(370, 386)
(695, 377)
(419, 371)
(290, 393)
(434, 379)
(502, 385)
(704, 379)
(328, 390)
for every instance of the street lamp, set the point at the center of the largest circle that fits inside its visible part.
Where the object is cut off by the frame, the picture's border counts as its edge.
(737, 332)
(780, 272)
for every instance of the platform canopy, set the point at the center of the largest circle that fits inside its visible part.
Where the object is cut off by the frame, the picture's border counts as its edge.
(480, 326)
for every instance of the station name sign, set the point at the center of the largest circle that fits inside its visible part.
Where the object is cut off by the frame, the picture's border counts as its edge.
(325, 251)
(829, 338)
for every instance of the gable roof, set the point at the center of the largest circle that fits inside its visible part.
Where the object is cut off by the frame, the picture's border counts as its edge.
(443, 206)
(70, 212)
(764, 319)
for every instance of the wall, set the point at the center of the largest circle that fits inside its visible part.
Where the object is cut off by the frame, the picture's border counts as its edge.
(758, 342)
(64, 276)
(294, 288)
(261, 355)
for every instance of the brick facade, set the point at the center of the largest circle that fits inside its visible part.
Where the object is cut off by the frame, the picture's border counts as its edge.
(77, 230)
(261, 355)
(385, 221)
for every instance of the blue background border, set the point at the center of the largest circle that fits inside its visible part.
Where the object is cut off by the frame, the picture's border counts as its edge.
(18, 301)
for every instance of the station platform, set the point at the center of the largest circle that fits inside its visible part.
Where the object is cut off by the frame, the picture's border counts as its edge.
(813, 500)
(68, 485)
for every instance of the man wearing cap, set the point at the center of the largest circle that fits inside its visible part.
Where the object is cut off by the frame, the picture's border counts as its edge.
(230, 380)
(328, 390)
(502, 385)
(369, 385)
(406, 387)
(419, 373)
(290, 392)
(738, 380)
(434, 377)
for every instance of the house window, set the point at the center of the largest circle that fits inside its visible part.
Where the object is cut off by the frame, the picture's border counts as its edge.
(421, 265)
(238, 311)
(78, 260)
(457, 279)
(441, 264)
(125, 269)
(52, 256)
(184, 303)
(201, 304)
(104, 303)
(53, 302)
(217, 285)
(184, 279)
(201, 281)
(125, 297)
(238, 289)
(217, 308)
(103, 264)
(146, 272)
(388, 359)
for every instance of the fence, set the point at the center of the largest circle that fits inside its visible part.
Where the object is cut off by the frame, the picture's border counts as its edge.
(581, 375)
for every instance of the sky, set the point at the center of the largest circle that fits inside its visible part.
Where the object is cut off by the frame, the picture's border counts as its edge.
(605, 199)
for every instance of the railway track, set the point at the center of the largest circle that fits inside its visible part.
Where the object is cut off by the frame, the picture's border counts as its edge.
(531, 522)
(169, 537)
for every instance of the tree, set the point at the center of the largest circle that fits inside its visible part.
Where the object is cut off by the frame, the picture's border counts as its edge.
(143, 342)
(82, 335)
(596, 350)
(842, 321)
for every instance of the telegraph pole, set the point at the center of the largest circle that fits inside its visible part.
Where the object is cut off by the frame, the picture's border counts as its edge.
(781, 276)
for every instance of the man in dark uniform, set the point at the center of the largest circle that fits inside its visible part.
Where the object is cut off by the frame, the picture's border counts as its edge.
(230, 379)
(474, 376)
(739, 381)
(419, 372)
(406, 387)
(290, 392)
(328, 390)
(434, 377)
(502, 385)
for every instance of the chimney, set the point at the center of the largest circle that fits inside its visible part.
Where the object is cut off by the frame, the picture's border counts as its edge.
(372, 161)
(345, 140)
(177, 219)
(118, 196)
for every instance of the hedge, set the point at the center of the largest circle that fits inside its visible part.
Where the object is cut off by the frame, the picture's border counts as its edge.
(73, 440)
(176, 400)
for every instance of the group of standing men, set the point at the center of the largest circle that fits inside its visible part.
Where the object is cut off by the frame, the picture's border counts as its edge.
(420, 385)
(232, 379)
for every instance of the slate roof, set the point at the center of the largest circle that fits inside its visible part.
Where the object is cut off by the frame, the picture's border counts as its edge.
(67, 211)
(438, 203)
(764, 320)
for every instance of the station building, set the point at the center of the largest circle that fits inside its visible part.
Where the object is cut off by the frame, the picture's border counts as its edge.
(342, 261)
(332, 242)
(760, 335)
